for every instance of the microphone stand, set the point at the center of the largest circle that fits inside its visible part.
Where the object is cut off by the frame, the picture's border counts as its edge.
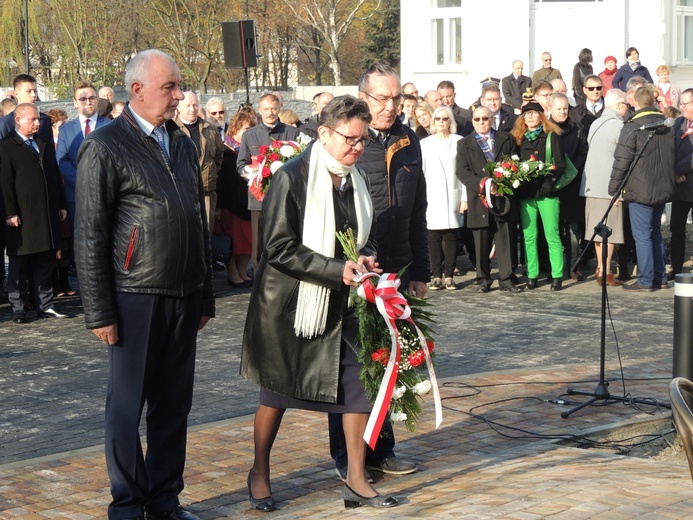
(601, 393)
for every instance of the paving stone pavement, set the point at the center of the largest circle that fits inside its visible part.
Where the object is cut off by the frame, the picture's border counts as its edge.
(509, 353)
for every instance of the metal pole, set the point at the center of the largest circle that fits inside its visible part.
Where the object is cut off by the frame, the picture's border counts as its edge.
(683, 326)
(26, 34)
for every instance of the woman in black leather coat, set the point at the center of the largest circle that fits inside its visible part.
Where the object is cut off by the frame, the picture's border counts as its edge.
(299, 340)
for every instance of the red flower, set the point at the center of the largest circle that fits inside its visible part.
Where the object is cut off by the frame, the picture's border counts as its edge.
(263, 149)
(277, 144)
(274, 157)
(506, 164)
(497, 175)
(430, 345)
(513, 168)
(417, 358)
(266, 172)
(260, 159)
(382, 356)
(532, 158)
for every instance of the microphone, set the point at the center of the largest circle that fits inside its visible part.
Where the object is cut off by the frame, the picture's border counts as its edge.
(656, 125)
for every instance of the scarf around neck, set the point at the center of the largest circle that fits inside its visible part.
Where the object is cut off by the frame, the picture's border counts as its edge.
(533, 135)
(313, 300)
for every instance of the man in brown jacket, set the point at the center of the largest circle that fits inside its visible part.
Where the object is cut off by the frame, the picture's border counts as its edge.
(210, 149)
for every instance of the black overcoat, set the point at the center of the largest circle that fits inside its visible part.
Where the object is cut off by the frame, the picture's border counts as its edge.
(31, 187)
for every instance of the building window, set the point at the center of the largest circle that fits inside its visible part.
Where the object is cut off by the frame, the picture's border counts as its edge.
(447, 41)
(447, 3)
(684, 30)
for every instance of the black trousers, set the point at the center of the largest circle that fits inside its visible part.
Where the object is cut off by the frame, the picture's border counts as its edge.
(499, 232)
(384, 448)
(442, 245)
(153, 362)
(679, 214)
(37, 267)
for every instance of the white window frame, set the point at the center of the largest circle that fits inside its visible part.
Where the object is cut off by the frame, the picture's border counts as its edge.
(682, 12)
(452, 46)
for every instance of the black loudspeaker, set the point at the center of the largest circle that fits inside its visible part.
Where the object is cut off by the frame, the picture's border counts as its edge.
(239, 44)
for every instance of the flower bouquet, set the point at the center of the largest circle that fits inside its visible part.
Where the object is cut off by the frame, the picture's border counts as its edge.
(395, 340)
(268, 161)
(508, 173)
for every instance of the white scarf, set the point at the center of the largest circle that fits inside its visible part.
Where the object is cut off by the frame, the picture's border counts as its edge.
(313, 300)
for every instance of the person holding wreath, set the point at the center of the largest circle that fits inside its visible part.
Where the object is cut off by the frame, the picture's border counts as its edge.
(298, 315)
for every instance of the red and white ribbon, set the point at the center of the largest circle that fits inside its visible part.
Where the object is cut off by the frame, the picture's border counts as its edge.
(393, 306)
(485, 192)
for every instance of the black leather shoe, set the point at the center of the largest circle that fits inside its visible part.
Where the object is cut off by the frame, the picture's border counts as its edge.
(557, 285)
(532, 283)
(264, 505)
(511, 288)
(19, 317)
(175, 513)
(484, 288)
(393, 466)
(353, 499)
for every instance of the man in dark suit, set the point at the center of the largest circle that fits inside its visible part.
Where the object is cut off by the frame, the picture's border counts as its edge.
(446, 89)
(144, 264)
(33, 203)
(683, 196)
(488, 224)
(71, 136)
(586, 113)
(515, 85)
(502, 119)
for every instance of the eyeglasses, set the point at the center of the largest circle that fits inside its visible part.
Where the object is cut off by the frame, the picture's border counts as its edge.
(592, 89)
(382, 100)
(441, 119)
(477, 119)
(684, 103)
(353, 141)
(91, 99)
(219, 113)
(548, 59)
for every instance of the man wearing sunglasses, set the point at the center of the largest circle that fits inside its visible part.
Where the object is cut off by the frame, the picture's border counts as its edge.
(546, 72)
(216, 114)
(593, 106)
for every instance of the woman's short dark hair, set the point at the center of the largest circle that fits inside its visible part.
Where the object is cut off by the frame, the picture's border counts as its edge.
(630, 50)
(585, 56)
(238, 120)
(344, 108)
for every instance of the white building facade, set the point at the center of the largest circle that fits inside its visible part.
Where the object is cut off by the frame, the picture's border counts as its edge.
(465, 41)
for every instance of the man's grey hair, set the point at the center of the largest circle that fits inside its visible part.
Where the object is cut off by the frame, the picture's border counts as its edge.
(214, 101)
(377, 69)
(138, 68)
(482, 110)
(343, 109)
(635, 83)
(613, 97)
(558, 95)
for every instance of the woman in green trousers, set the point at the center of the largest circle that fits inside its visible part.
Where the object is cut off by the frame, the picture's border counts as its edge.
(537, 201)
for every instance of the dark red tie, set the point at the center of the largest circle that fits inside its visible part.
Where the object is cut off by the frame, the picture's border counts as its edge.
(86, 128)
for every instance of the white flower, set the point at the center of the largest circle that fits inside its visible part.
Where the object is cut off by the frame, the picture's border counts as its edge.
(275, 166)
(514, 157)
(422, 388)
(303, 140)
(398, 417)
(287, 151)
(525, 167)
(399, 392)
(251, 173)
(506, 173)
(516, 183)
(540, 165)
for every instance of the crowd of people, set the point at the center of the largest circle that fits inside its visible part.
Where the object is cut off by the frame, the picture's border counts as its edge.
(132, 194)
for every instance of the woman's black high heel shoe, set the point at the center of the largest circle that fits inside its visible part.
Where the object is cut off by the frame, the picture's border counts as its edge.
(353, 499)
(264, 505)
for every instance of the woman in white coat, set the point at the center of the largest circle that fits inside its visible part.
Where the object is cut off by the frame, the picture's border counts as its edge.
(446, 195)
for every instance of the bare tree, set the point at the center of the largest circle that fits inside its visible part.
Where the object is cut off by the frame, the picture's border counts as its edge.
(332, 19)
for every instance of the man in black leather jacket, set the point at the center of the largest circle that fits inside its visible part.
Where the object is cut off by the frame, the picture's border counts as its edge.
(144, 266)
